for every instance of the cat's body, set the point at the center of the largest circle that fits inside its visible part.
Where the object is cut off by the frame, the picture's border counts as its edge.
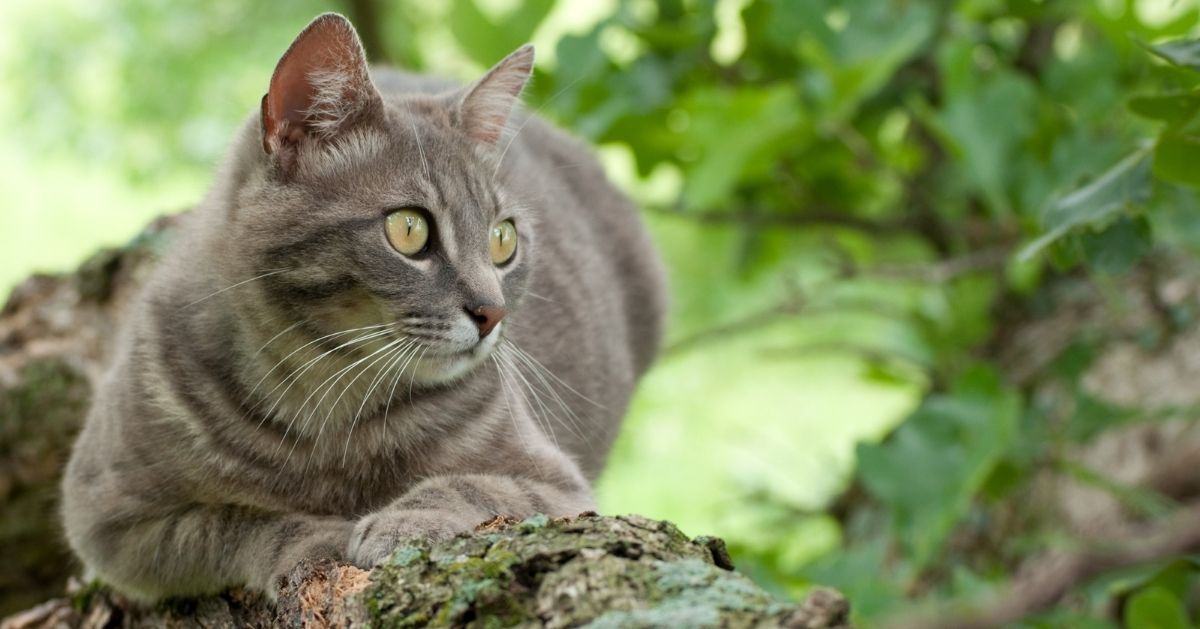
(325, 409)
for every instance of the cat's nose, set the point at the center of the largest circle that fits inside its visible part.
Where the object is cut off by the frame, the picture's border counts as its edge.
(486, 317)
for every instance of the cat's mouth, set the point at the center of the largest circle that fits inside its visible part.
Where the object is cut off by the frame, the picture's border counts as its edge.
(449, 360)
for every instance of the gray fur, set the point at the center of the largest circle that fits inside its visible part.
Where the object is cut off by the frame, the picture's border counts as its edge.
(224, 446)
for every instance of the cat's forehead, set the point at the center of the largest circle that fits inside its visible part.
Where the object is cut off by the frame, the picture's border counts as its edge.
(413, 159)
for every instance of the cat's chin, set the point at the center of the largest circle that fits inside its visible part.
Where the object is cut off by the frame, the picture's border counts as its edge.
(436, 368)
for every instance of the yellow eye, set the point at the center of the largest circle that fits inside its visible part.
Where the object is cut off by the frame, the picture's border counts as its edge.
(408, 231)
(503, 243)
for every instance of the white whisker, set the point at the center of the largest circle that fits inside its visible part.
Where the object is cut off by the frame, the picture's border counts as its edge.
(512, 416)
(420, 148)
(570, 420)
(546, 416)
(274, 338)
(413, 377)
(534, 363)
(387, 352)
(295, 376)
(537, 111)
(293, 352)
(395, 358)
(329, 383)
(243, 282)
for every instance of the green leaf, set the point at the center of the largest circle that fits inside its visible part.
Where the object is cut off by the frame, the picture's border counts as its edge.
(1156, 608)
(1173, 108)
(939, 460)
(1125, 185)
(1116, 248)
(865, 575)
(1184, 53)
(987, 126)
(736, 134)
(855, 63)
(1177, 157)
(488, 42)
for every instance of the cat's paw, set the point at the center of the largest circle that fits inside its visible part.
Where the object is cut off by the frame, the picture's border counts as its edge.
(378, 534)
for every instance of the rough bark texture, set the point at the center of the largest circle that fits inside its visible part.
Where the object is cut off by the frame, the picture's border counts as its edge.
(590, 571)
(55, 334)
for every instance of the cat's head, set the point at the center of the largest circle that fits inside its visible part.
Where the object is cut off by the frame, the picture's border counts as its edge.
(371, 210)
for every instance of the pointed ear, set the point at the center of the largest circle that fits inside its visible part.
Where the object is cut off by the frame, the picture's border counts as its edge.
(486, 105)
(320, 86)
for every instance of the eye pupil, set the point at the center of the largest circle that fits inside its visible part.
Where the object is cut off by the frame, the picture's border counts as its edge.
(408, 231)
(503, 243)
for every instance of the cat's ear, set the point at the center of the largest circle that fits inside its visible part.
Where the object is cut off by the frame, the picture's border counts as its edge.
(486, 105)
(320, 86)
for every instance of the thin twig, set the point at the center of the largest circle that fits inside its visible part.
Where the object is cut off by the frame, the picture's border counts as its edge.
(795, 304)
(1052, 576)
(807, 218)
(790, 306)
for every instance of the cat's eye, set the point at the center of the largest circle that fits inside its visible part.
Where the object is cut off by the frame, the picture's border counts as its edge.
(408, 231)
(503, 243)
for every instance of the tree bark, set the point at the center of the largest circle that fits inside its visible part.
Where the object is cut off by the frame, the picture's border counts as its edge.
(597, 571)
(55, 335)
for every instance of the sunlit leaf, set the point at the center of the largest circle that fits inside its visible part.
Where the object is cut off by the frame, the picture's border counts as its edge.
(488, 42)
(987, 125)
(1118, 246)
(1156, 608)
(1124, 186)
(1181, 52)
(1177, 158)
(1174, 108)
(928, 472)
(734, 132)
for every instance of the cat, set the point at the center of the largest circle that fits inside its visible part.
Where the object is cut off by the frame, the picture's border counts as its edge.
(403, 308)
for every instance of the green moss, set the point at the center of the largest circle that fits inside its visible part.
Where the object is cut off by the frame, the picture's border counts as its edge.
(593, 571)
(48, 404)
(82, 599)
(39, 417)
(534, 522)
(667, 616)
(94, 278)
(405, 555)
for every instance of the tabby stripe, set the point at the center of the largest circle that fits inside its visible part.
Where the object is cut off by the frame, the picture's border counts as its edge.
(285, 535)
(212, 370)
(178, 377)
(473, 495)
(428, 497)
(437, 189)
(285, 290)
(536, 501)
(321, 237)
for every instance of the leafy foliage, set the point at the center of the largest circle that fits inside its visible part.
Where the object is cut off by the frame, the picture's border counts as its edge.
(862, 187)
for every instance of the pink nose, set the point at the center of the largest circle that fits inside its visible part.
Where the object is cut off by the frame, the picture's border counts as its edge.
(486, 317)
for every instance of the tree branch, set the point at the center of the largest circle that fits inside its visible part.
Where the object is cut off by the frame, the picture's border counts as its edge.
(365, 14)
(622, 571)
(1052, 576)
(807, 218)
(795, 304)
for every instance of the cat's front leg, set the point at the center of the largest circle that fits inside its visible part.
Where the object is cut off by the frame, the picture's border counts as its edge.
(200, 549)
(442, 506)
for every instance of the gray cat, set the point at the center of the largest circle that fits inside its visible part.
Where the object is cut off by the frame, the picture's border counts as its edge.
(402, 309)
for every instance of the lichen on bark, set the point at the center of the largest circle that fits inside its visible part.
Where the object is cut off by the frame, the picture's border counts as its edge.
(590, 571)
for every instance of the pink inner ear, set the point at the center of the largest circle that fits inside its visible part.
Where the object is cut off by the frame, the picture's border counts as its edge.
(491, 100)
(294, 104)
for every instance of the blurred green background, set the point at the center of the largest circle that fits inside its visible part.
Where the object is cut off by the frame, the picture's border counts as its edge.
(848, 193)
